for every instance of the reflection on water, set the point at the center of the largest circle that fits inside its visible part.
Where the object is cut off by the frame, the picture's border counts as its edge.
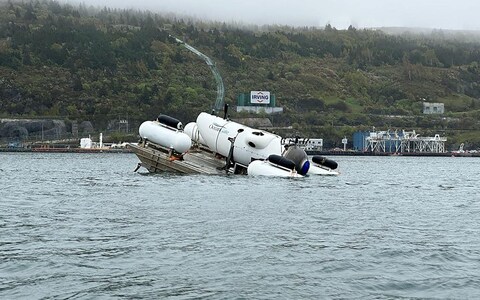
(86, 226)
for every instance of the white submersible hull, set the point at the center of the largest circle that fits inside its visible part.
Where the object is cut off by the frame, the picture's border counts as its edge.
(214, 145)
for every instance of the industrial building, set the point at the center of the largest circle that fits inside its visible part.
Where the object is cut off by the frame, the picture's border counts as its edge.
(398, 142)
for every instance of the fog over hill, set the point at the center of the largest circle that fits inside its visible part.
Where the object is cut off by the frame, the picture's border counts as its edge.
(434, 14)
(450, 34)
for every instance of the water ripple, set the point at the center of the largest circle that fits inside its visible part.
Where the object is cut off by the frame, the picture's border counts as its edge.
(84, 226)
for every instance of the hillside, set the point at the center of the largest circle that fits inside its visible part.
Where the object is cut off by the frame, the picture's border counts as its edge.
(84, 64)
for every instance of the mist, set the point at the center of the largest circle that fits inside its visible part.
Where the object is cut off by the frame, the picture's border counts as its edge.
(434, 14)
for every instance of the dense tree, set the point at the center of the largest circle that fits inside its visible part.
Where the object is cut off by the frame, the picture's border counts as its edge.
(83, 62)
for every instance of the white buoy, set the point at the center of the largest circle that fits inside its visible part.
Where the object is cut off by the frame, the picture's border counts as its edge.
(166, 137)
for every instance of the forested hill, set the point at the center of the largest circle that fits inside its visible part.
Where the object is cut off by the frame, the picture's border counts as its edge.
(83, 63)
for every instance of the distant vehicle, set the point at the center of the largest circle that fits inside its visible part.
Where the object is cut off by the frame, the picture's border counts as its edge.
(14, 145)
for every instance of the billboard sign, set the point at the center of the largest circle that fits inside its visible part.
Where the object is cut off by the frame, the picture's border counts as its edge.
(259, 97)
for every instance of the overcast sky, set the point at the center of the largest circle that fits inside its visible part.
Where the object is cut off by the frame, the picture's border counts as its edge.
(439, 14)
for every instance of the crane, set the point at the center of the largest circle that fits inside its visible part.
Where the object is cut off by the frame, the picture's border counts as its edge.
(220, 88)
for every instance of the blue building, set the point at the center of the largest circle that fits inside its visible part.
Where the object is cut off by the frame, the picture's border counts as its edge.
(360, 140)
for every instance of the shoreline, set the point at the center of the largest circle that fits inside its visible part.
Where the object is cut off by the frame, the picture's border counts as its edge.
(310, 153)
(412, 154)
(67, 150)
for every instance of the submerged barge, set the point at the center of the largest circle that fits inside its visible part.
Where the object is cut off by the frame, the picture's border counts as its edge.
(158, 159)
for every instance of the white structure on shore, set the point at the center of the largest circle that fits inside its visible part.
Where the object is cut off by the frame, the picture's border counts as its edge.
(406, 141)
(306, 144)
(86, 143)
(433, 108)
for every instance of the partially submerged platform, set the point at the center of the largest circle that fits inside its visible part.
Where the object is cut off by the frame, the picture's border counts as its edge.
(157, 159)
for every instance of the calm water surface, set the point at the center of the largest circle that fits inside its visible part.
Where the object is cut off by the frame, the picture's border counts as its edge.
(84, 226)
